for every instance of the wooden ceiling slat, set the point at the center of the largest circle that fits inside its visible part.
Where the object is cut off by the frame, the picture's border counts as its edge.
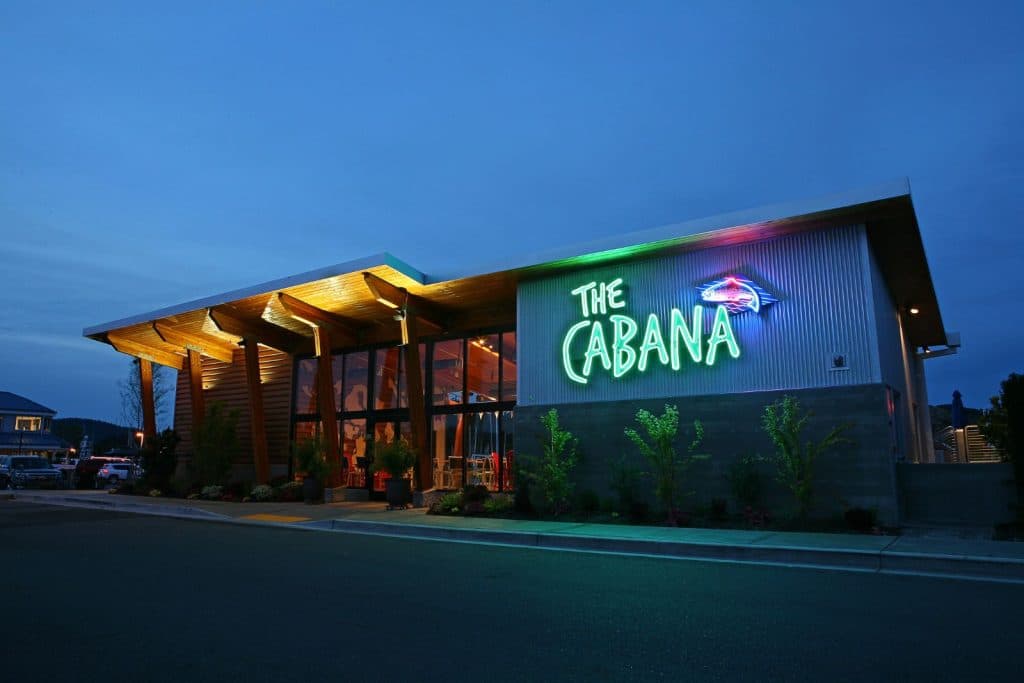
(151, 353)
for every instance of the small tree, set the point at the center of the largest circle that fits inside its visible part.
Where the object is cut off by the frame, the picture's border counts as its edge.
(159, 459)
(214, 446)
(553, 470)
(794, 462)
(1003, 427)
(658, 447)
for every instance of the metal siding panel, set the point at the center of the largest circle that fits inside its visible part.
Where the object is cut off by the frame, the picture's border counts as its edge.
(823, 309)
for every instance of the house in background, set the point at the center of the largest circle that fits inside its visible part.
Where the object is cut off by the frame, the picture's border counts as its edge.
(25, 427)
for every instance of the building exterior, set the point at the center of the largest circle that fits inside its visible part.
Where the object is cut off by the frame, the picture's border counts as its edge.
(830, 301)
(25, 427)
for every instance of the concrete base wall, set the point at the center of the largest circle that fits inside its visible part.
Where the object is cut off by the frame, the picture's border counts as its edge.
(858, 474)
(979, 494)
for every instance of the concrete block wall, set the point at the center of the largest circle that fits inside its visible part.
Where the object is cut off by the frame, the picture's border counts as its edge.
(860, 473)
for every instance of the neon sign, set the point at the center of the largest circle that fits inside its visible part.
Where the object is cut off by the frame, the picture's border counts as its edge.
(737, 294)
(617, 344)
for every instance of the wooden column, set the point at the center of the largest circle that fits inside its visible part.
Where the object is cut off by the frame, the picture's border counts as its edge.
(325, 399)
(148, 407)
(259, 430)
(195, 391)
(417, 406)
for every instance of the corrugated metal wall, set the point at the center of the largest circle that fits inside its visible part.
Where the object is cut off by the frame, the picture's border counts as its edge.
(226, 383)
(820, 279)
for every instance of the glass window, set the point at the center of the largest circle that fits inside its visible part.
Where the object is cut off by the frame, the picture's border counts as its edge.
(305, 387)
(508, 366)
(353, 449)
(357, 368)
(447, 437)
(482, 446)
(337, 377)
(386, 376)
(447, 372)
(385, 433)
(305, 430)
(28, 424)
(482, 368)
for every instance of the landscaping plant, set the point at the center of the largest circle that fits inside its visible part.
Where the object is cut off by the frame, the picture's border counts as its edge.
(1003, 427)
(159, 460)
(310, 458)
(668, 467)
(795, 461)
(745, 480)
(214, 445)
(551, 472)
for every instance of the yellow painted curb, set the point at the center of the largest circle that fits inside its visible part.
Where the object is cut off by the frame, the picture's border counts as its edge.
(276, 518)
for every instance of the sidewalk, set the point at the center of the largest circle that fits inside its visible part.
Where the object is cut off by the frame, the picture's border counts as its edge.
(918, 555)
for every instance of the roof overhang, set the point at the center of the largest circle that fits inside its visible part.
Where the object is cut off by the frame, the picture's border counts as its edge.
(483, 297)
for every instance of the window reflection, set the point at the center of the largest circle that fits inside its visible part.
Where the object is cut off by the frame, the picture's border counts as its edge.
(447, 369)
(305, 387)
(353, 449)
(385, 385)
(510, 374)
(482, 374)
(357, 368)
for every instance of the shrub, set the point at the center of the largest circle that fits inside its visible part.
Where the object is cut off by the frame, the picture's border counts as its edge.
(498, 505)
(289, 492)
(262, 493)
(658, 447)
(794, 462)
(745, 480)
(395, 458)
(212, 493)
(215, 445)
(159, 459)
(155, 493)
(551, 472)
(475, 493)
(311, 458)
(449, 503)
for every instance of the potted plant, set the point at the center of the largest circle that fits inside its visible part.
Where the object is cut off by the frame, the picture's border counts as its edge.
(395, 458)
(311, 462)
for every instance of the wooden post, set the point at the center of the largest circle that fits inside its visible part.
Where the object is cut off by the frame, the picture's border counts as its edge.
(259, 430)
(195, 391)
(148, 407)
(325, 399)
(417, 406)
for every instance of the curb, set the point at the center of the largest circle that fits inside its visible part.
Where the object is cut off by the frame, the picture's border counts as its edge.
(183, 512)
(885, 561)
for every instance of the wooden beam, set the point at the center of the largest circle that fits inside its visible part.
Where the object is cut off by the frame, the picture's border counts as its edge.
(145, 352)
(258, 429)
(399, 298)
(342, 330)
(417, 406)
(326, 403)
(193, 342)
(148, 404)
(195, 391)
(230, 322)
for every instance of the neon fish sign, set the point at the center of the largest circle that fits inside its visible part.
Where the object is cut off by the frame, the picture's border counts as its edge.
(622, 346)
(737, 294)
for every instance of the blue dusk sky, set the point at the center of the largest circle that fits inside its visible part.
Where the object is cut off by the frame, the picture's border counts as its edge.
(154, 153)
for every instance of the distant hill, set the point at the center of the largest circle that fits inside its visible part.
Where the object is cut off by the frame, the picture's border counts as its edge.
(942, 416)
(103, 435)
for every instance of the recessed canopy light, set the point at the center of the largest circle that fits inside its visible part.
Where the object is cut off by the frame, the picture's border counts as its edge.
(914, 311)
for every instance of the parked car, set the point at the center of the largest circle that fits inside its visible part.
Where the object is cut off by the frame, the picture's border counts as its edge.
(25, 471)
(113, 472)
(87, 468)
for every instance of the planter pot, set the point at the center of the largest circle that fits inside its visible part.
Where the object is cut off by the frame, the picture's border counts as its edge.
(399, 493)
(312, 490)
